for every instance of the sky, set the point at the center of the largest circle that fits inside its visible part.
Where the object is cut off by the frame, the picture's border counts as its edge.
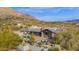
(51, 13)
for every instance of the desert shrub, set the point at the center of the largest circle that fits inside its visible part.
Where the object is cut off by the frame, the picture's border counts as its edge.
(58, 38)
(53, 49)
(68, 40)
(29, 38)
(9, 40)
(40, 43)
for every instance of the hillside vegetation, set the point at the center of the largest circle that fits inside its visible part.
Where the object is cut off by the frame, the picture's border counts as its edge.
(9, 40)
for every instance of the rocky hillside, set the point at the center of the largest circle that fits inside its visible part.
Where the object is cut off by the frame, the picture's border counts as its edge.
(9, 17)
(10, 14)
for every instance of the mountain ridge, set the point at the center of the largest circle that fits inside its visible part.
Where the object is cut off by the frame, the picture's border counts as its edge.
(6, 12)
(74, 20)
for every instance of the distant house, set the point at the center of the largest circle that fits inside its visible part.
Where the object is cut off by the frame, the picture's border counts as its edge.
(48, 33)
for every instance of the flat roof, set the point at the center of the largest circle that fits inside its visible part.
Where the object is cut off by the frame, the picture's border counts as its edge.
(32, 30)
